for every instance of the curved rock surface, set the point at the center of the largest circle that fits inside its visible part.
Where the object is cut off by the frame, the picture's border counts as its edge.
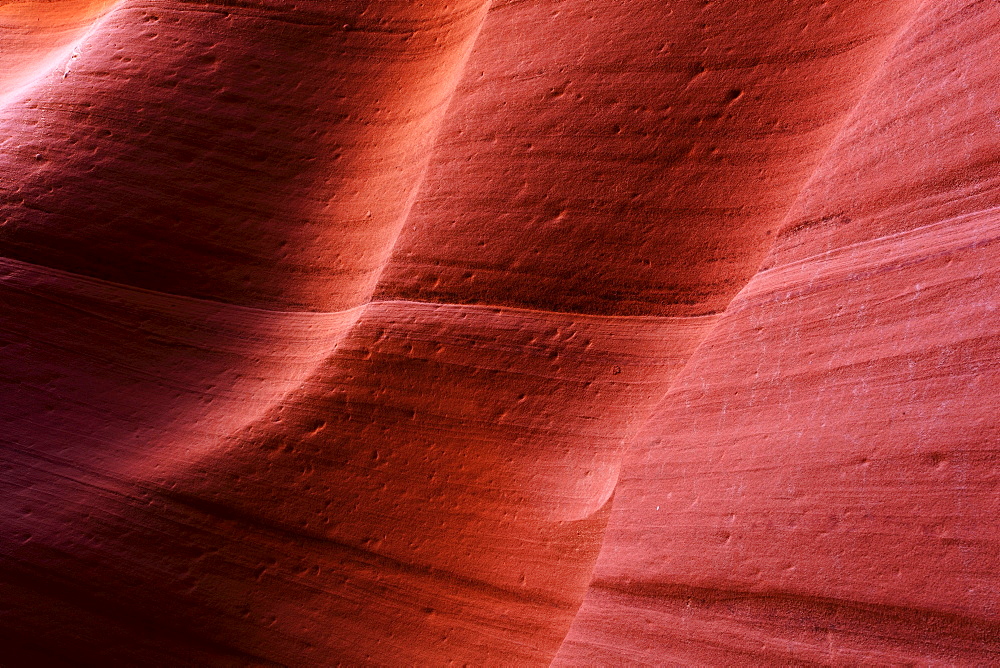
(40, 35)
(820, 484)
(337, 333)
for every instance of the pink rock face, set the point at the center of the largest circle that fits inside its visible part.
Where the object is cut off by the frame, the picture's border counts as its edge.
(820, 483)
(341, 333)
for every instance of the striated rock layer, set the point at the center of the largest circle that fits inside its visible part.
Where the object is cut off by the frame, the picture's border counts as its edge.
(820, 484)
(326, 327)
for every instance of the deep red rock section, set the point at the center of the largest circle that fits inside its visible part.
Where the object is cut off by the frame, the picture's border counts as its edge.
(326, 328)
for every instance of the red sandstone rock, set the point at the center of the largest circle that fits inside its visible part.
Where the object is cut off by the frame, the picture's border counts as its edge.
(631, 157)
(820, 484)
(205, 202)
(250, 153)
(217, 453)
(39, 36)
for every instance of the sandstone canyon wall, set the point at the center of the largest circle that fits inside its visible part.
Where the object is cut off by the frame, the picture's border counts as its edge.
(820, 484)
(430, 333)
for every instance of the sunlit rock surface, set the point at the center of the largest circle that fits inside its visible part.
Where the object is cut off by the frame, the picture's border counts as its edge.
(416, 333)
